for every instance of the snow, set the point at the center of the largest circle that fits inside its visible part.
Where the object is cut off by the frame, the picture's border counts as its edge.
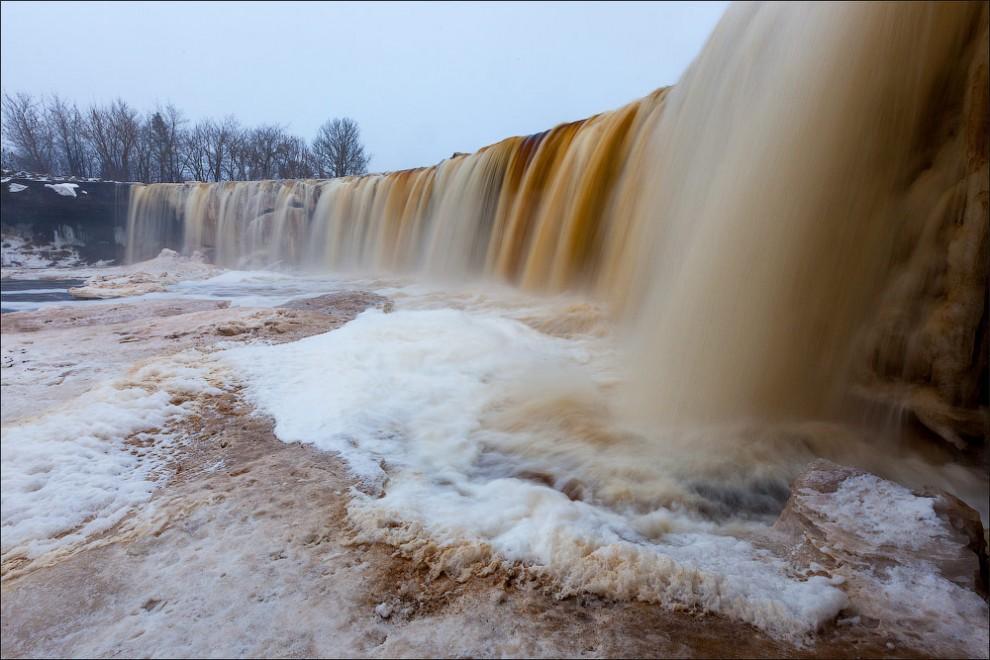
(68, 474)
(64, 189)
(466, 426)
(17, 187)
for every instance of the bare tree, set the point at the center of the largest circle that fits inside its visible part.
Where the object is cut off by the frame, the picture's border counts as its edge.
(295, 160)
(114, 131)
(194, 153)
(264, 143)
(67, 127)
(237, 163)
(114, 142)
(142, 162)
(25, 128)
(220, 142)
(7, 158)
(163, 134)
(337, 149)
(210, 148)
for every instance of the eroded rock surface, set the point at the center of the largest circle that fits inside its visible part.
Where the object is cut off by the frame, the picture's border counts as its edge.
(912, 563)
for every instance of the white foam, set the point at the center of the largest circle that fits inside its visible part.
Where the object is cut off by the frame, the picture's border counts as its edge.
(425, 393)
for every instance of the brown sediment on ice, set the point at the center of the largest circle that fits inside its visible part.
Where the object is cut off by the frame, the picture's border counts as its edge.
(54, 354)
(249, 549)
(248, 552)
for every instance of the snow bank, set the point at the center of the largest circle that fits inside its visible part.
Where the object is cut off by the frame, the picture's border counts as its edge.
(64, 189)
(72, 473)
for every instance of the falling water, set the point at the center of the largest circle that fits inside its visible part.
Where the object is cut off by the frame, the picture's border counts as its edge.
(750, 221)
(542, 211)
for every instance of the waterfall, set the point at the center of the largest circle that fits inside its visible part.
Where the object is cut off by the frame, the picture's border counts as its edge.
(802, 203)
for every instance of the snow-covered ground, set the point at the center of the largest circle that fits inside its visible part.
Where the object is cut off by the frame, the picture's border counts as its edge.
(17, 254)
(241, 472)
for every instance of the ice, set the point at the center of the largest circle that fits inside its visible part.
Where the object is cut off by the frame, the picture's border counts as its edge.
(906, 593)
(928, 608)
(879, 512)
(69, 473)
(17, 187)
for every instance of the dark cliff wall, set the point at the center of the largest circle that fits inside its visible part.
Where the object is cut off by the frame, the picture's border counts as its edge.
(94, 219)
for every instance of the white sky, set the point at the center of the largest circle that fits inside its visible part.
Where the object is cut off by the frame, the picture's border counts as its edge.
(422, 79)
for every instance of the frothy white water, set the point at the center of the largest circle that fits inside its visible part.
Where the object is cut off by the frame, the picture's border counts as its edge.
(451, 412)
(490, 440)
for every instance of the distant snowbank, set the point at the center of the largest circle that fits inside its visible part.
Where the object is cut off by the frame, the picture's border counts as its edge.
(64, 189)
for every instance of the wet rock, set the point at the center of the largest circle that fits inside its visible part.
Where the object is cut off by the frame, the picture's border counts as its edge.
(843, 515)
(966, 521)
(88, 214)
(912, 564)
(343, 306)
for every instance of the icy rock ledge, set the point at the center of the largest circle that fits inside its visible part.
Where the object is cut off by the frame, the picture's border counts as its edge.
(913, 563)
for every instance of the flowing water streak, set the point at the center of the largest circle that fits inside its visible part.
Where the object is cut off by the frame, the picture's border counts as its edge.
(784, 158)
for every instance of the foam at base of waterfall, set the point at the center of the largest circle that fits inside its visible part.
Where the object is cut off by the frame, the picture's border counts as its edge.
(409, 399)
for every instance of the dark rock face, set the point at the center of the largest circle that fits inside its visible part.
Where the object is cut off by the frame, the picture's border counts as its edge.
(45, 211)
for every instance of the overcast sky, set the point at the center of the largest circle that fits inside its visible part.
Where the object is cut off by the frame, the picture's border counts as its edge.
(422, 80)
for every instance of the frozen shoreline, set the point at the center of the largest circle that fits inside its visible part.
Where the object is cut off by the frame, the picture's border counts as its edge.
(222, 480)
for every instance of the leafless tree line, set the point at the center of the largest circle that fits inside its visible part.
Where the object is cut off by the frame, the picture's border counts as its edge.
(117, 142)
